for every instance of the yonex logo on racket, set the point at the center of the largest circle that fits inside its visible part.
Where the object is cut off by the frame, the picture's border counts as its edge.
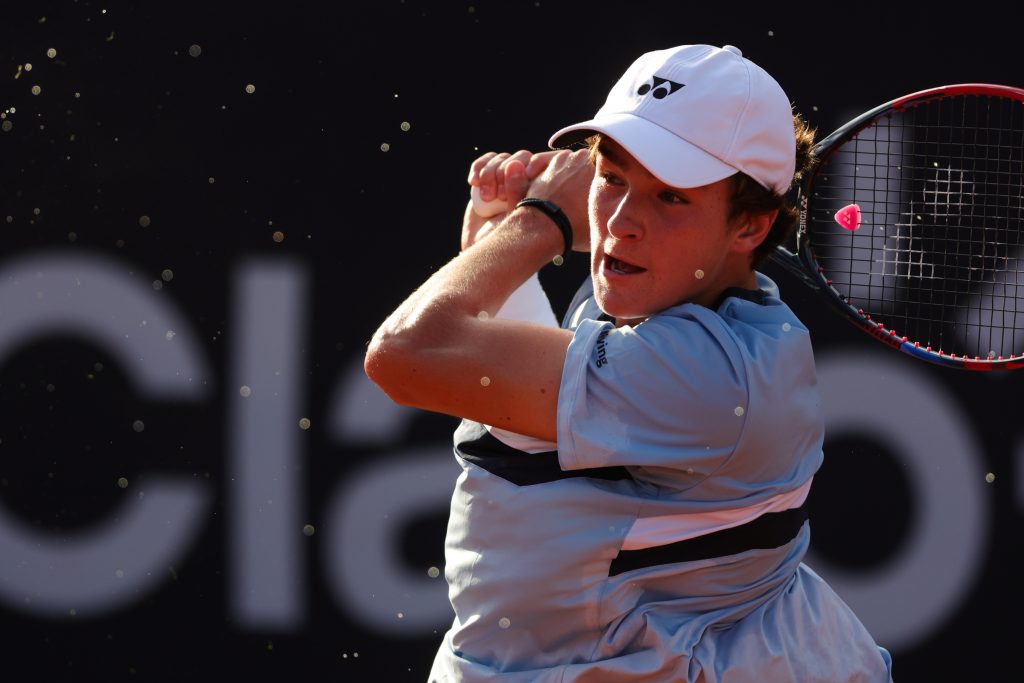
(660, 88)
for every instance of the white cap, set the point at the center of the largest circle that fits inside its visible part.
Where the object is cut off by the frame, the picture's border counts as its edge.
(696, 114)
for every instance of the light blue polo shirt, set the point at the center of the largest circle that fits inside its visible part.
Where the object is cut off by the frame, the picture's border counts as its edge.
(618, 556)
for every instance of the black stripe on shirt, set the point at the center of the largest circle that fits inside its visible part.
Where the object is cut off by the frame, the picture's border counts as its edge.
(770, 530)
(477, 445)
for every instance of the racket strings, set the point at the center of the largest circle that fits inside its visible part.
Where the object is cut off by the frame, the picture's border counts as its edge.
(937, 258)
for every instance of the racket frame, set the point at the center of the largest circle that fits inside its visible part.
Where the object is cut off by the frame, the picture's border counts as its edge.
(802, 263)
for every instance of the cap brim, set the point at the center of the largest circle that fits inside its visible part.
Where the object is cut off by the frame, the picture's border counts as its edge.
(670, 158)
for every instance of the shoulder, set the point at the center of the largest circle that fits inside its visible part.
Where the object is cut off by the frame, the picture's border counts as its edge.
(745, 325)
(766, 326)
(582, 307)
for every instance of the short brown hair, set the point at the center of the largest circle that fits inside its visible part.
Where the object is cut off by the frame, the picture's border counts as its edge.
(750, 197)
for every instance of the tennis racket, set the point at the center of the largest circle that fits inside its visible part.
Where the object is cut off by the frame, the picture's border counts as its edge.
(911, 225)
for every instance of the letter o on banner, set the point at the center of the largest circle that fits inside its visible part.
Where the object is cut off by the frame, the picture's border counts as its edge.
(914, 593)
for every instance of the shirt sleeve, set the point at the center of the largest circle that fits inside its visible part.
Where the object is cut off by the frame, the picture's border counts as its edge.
(669, 393)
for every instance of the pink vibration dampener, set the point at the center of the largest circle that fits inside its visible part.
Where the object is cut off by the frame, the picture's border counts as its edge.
(849, 217)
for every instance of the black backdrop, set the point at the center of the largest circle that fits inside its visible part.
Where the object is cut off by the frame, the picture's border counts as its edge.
(207, 208)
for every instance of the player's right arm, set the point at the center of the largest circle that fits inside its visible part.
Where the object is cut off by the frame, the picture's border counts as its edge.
(443, 350)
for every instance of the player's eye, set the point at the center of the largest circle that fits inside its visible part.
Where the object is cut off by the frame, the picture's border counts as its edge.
(672, 197)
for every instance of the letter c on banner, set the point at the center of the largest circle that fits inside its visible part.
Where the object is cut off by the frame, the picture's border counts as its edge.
(97, 570)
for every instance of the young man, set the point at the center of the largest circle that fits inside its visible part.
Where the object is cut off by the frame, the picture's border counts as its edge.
(631, 503)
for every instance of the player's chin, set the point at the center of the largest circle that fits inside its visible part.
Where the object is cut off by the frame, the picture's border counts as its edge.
(619, 304)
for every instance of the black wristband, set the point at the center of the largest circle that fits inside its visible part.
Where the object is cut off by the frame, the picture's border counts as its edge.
(552, 211)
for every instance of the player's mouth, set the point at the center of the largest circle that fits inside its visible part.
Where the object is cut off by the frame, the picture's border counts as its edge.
(617, 266)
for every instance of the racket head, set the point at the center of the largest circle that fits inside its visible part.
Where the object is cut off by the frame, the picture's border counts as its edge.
(911, 224)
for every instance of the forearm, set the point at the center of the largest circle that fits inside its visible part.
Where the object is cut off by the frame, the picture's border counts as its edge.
(480, 279)
(444, 315)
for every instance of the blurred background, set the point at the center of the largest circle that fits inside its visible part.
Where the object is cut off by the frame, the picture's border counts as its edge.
(206, 209)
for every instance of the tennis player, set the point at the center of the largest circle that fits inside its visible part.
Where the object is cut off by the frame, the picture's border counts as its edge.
(631, 505)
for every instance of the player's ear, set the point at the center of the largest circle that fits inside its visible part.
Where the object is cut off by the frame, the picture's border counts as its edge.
(752, 230)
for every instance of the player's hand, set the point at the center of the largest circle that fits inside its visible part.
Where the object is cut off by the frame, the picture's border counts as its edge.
(566, 182)
(501, 179)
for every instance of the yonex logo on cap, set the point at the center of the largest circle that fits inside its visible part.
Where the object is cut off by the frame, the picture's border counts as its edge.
(660, 88)
(733, 117)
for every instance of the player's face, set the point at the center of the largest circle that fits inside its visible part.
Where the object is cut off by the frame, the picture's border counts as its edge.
(654, 246)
